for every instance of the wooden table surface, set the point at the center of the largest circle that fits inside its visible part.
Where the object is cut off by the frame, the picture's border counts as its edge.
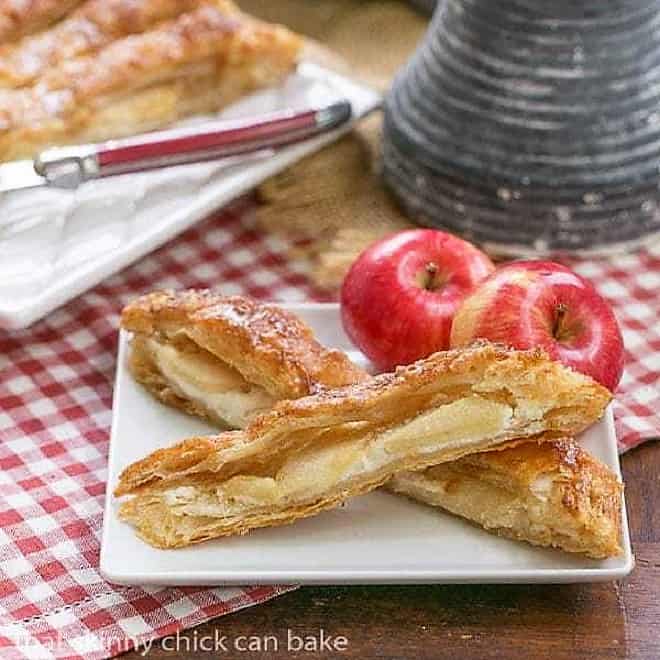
(599, 621)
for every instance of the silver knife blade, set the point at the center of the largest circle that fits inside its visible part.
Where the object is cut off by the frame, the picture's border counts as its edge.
(19, 175)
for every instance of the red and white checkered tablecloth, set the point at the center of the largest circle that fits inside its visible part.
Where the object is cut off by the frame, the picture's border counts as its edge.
(631, 283)
(55, 399)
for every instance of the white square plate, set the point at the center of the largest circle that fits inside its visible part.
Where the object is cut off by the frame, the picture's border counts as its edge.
(377, 538)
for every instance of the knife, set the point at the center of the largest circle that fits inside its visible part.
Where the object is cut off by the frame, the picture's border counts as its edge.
(68, 167)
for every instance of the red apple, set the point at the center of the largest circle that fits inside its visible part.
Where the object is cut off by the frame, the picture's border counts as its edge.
(541, 303)
(400, 296)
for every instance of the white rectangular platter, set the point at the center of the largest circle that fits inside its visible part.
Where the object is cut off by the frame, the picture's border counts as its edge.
(377, 538)
(55, 244)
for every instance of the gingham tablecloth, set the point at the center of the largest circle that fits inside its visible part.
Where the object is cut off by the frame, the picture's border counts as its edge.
(55, 399)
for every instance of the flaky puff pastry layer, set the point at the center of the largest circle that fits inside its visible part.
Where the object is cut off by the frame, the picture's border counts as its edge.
(551, 494)
(267, 350)
(313, 453)
(84, 31)
(20, 17)
(195, 63)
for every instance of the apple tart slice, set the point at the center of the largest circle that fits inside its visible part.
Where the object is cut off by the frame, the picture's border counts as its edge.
(551, 494)
(311, 454)
(226, 359)
(195, 63)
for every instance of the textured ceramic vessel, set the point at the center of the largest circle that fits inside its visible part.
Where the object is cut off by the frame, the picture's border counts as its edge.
(531, 126)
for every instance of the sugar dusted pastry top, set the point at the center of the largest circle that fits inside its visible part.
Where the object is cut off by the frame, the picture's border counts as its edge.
(526, 462)
(19, 17)
(264, 343)
(86, 30)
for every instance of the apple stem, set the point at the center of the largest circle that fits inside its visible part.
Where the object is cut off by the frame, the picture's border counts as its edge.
(431, 281)
(560, 314)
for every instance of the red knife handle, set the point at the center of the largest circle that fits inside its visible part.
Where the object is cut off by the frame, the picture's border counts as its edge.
(193, 144)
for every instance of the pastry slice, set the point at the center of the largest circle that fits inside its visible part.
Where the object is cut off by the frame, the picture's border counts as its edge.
(193, 64)
(227, 359)
(551, 494)
(20, 17)
(313, 453)
(86, 30)
(498, 490)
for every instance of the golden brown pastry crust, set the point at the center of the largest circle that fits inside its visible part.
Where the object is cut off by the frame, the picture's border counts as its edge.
(267, 345)
(551, 494)
(86, 30)
(193, 64)
(20, 17)
(436, 410)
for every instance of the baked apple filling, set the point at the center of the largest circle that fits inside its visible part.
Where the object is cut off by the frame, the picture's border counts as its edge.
(211, 384)
(314, 470)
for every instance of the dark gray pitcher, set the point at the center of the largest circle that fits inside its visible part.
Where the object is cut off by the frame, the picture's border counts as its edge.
(531, 126)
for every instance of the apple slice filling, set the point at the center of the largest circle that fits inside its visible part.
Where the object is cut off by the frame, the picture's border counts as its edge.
(313, 471)
(209, 382)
